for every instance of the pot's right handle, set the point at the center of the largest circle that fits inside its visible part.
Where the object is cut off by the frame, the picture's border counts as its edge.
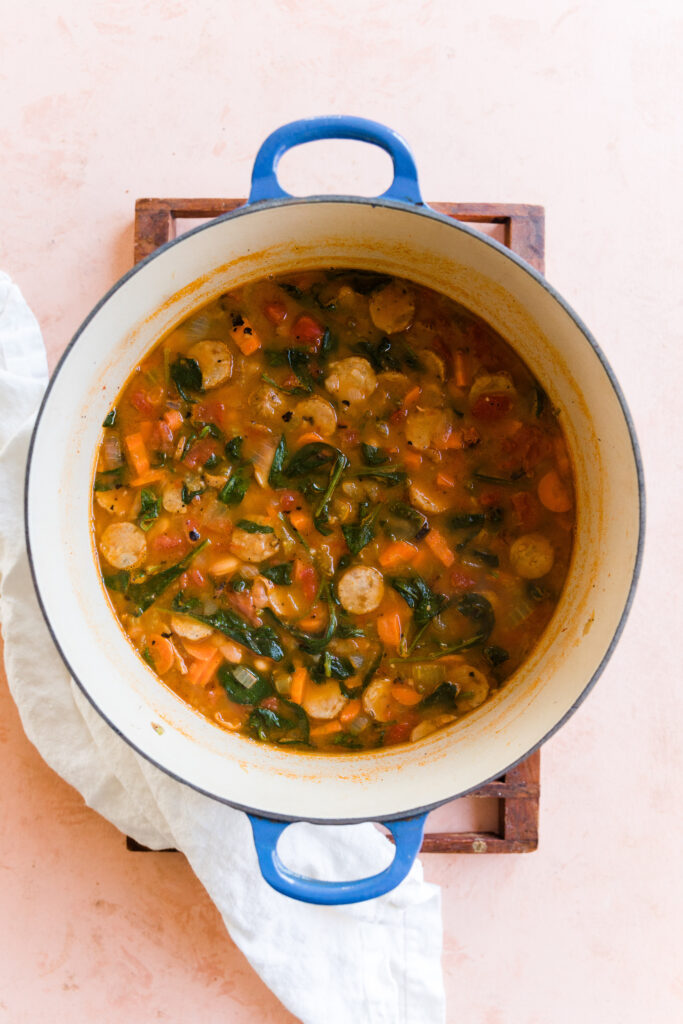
(264, 183)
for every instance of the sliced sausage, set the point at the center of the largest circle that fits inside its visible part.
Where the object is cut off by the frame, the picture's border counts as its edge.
(124, 545)
(215, 362)
(361, 589)
(351, 380)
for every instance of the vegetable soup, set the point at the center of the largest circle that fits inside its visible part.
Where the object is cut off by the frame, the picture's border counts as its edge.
(333, 509)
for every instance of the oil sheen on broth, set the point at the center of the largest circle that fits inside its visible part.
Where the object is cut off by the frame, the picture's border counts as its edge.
(333, 510)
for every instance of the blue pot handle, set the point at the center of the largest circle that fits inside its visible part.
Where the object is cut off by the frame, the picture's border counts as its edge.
(264, 183)
(407, 832)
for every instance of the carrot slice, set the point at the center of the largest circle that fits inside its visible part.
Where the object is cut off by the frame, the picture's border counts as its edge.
(162, 652)
(413, 460)
(137, 453)
(301, 521)
(299, 681)
(412, 396)
(389, 628)
(246, 339)
(462, 370)
(200, 672)
(308, 438)
(405, 695)
(201, 649)
(439, 546)
(445, 481)
(151, 477)
(351, 711)
(174, 419)
(326, 729)
(553, 493)
(397, 552)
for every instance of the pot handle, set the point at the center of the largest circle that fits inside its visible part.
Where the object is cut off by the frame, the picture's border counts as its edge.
(264, 183)
(407, 833)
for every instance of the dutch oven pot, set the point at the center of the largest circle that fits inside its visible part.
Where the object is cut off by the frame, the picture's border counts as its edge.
(395, 234)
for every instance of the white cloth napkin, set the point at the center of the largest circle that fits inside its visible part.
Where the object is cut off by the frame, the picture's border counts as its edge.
(376, 962)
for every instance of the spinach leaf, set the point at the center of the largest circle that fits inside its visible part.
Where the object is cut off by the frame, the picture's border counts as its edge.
(454, 648)
(311, 458)
(495, 655)
(487, 478)
(322, 512)
(187, 377)
(249, 526)
(279, 574)
(426, 604)
(149, 509)
(109, 479)
(244, 685)
(110, 418)
(234, 490)
(260, 639)
(298, 360)
(487, 557)
(379, 354)
(345, 739)
(328, 345)
(317, 642)
(478, 608)
(289, 724)
(276, 476)
(233, 449)
(238, 584)
(330, 666)
(373, 456)
(118, 581)
(210, 430)
(186, 495)
(466, 520)
(445, 693)
(291, 289)
(358, 535)
(412, 524)
(142, 595)
(390, 477)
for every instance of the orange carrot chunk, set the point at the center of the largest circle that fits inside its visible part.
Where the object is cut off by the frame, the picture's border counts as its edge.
(299, 681)
(462, 371)
(440, 547)
(405, 695)
(389, 628)
(200, 671)
(162, 653)
(137, 453)
(351, 711)
(396, 553)
(553, 493)
(326, 729)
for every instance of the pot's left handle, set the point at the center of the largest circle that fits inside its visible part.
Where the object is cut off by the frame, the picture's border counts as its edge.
(407, 833)
(264, 183)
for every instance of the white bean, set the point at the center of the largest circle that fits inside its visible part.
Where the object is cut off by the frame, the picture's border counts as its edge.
(429, 726)
(189, 629)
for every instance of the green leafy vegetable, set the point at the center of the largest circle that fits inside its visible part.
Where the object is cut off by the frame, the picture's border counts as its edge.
(210, 430)
(289, 724)
(328, 345)
(502, 481)
(147, 656)
(487, 557)
(330, 666)
(260, 639)
(426, 604)
(118, 581)
(186, 495)
(276, 476)
(235, 489)
(109, 479)
(249, 526)
(238, 584)
(244, 685)
(445, 693)
(358, 535)
(390, 477)
(279, 574)
(345, 739)
(233, 449)
(412, 524)
(466, 520)
(479, 609)
(373, 456)
(149, 509)
(187, 377)
(110, 418)
(322, 512)
(495, 655)
(142, 595)
(311, 458)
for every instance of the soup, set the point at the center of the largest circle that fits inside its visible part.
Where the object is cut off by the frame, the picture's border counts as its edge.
(333, 510)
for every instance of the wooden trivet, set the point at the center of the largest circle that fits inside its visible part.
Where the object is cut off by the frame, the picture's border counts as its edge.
(523, 230)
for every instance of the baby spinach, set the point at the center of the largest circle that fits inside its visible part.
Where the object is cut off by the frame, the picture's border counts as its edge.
(345, 739)
(276, 476)
(186, 495)
(311, 458)
(142, 595)
(110, 418)
(389, 476)
(487, 558)
(358, 535)
(331, 666)
(495, 655)
(289, 724)
(412, 524)
(445, 693)
(233, 448)
(466, 520)
(210, 430)
(238, 584)
(244, 685)
(426, 604)
(109, 479)
(187, 377)
(322, 512)
(478, 608)
(260, 639)
(235, 489)
(149, 509)
(249, 526)
(373, 456)
(279, 574)
(117, 581)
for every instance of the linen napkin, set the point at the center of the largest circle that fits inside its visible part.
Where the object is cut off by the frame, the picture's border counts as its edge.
(377, 962)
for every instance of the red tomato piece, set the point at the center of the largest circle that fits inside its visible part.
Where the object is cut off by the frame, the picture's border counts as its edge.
(461, 581)
(491, 499)
(398, 415)
(306, 576)
(276, 312)
(529, 445)
(288, 501)
(144, 401)
(308, 331)
(164, 434)
(493, 406)
(527, 509)
(400, 731)
(244, 604)
(200, 452)
(209, 412)
(165, 543)
(270, 702)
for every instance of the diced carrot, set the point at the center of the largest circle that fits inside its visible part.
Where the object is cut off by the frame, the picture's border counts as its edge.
(309, 437)
(351, 711)
(326, 729)
(146, 428)
(314, 621)
(299, 681)
(200, 671)
(246, 338)
(553, 493)
(162, 652)
(389, 628)
(443, 480)
(230, 651)
(412, 396)
(174, 419)
(413, 460)
(151, 477)
(137, 453)
(396, 553)
(462, 369)
(201, 649)
(439, 546)
(301, 521)
(405, 695)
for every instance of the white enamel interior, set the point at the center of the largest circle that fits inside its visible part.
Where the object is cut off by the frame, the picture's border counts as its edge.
(160, 294)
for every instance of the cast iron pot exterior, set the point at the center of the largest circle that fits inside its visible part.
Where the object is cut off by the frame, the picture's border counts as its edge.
(394, 234)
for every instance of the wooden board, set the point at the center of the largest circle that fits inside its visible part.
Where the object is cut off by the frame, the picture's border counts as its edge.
(522, 229)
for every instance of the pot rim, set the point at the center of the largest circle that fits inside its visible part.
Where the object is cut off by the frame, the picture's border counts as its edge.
(421, 211)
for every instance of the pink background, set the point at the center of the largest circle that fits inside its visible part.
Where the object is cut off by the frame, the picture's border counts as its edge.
(574, 106)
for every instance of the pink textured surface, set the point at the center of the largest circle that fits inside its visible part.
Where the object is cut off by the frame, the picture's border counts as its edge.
(571, 106)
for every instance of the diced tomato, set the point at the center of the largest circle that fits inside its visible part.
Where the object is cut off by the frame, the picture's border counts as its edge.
(276, 312)
(490, 499)
(288, 501)
(197, 577)
(351, 436)
(398, 415)
(146, 402)
(461, 581)
(200, 452)
(209, 412)
(243, 604)
(400, 732)
(306, 576)
(164, 434)
(271, 703)
(493, 406)
(308, 331)
(527, 509)
(529, 445)
(165, 543)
